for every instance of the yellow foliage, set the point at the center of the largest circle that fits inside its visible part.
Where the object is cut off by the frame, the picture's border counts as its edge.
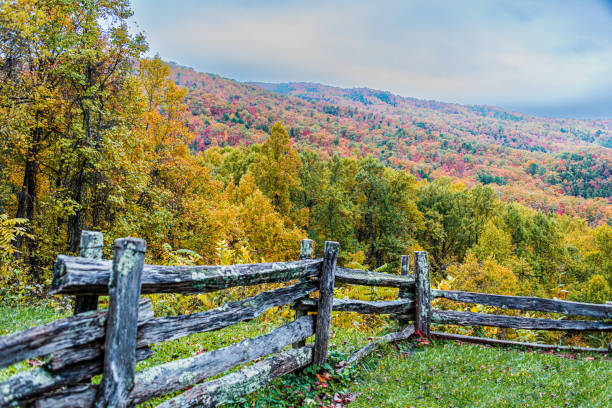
(495, 242)
(10, 229)
(486, 277)
(596, 290)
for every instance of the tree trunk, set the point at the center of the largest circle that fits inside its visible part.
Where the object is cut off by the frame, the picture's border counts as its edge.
(75, 221)
(26, 199)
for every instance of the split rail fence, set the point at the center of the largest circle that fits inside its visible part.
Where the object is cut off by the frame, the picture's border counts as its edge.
(110, 342)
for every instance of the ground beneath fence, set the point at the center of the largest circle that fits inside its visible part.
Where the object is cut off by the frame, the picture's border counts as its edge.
(448, 374)
(408, 374)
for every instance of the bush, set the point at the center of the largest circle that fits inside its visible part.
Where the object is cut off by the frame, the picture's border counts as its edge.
(596, 290)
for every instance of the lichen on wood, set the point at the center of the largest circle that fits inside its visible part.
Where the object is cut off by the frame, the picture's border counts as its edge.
(174, 327)
(92, 243)
(179, 374)
(399, 306)
(423, 293)
(243, 382)
(513, 322)
(121, 324)
(325, 303)
(306, 252)
(529, 303)
(369, 278)
(78, 276)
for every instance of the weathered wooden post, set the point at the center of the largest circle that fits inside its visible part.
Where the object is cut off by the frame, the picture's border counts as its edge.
(306, 251)
(403, 292)
(326, 301)
(423, 293)
(404, 271)
(91, 246)
(121, 323)
(609, 303)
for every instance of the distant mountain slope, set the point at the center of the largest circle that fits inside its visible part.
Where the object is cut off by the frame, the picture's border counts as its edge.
(550, 130)
(553, 164)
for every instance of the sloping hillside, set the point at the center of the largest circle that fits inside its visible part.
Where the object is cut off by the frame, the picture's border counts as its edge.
(489, 123)
(559, 165)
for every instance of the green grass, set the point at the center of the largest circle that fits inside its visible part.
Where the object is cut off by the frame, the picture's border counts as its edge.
(14, 319)
(200, 343)
(447, 374)
(341, 341)
(443, 374)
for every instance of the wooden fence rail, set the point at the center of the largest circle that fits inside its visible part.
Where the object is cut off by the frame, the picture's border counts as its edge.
(79, 276)
(93, 342)
(527, 303)
(513, 322)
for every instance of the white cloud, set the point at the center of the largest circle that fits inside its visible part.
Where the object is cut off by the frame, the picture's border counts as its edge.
(510, 53)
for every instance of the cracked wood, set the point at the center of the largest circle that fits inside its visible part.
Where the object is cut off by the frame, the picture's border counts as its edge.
(79, 276)
(528, 303)
(512, 322)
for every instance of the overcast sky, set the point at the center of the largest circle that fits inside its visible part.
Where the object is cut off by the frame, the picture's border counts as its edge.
(549, 57)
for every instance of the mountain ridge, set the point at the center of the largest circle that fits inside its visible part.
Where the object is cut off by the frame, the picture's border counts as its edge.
(286, 87)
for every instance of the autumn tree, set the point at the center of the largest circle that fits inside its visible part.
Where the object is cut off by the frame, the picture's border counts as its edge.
(388, 216)
(276, 169)
(63, 71)
(334, 213)
(487, 276)
(454, 218)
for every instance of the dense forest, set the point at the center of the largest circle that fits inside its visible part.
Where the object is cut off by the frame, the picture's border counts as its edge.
(522, 156)
(95, 136)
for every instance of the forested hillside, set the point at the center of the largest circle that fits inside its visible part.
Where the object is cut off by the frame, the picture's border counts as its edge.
(555, 165)
(93, 135)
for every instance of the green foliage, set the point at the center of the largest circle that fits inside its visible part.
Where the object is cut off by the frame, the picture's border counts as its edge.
(276, 169)
(18, 317)
(179, 256)
(494, 242)
(10, 230)
(15, 284)
(386, 211)
(486, 178)
(585, 175)
(596, 290)
(313, 387)
(454, 218)
(603, 256)
(486, 276)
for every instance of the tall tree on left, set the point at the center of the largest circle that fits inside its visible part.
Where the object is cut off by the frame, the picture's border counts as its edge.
(63, 65)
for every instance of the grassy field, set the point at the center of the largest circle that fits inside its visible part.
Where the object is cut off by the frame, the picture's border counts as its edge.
(447, 374)
(441, 374)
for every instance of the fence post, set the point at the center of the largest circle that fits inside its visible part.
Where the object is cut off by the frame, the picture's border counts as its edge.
(423, 293)
(121, 323)
(403, 292)
(91, 246)
(326, 301)
(305, 253)
(609, 302)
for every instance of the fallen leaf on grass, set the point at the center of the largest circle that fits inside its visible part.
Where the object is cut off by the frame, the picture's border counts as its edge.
(34, 362)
